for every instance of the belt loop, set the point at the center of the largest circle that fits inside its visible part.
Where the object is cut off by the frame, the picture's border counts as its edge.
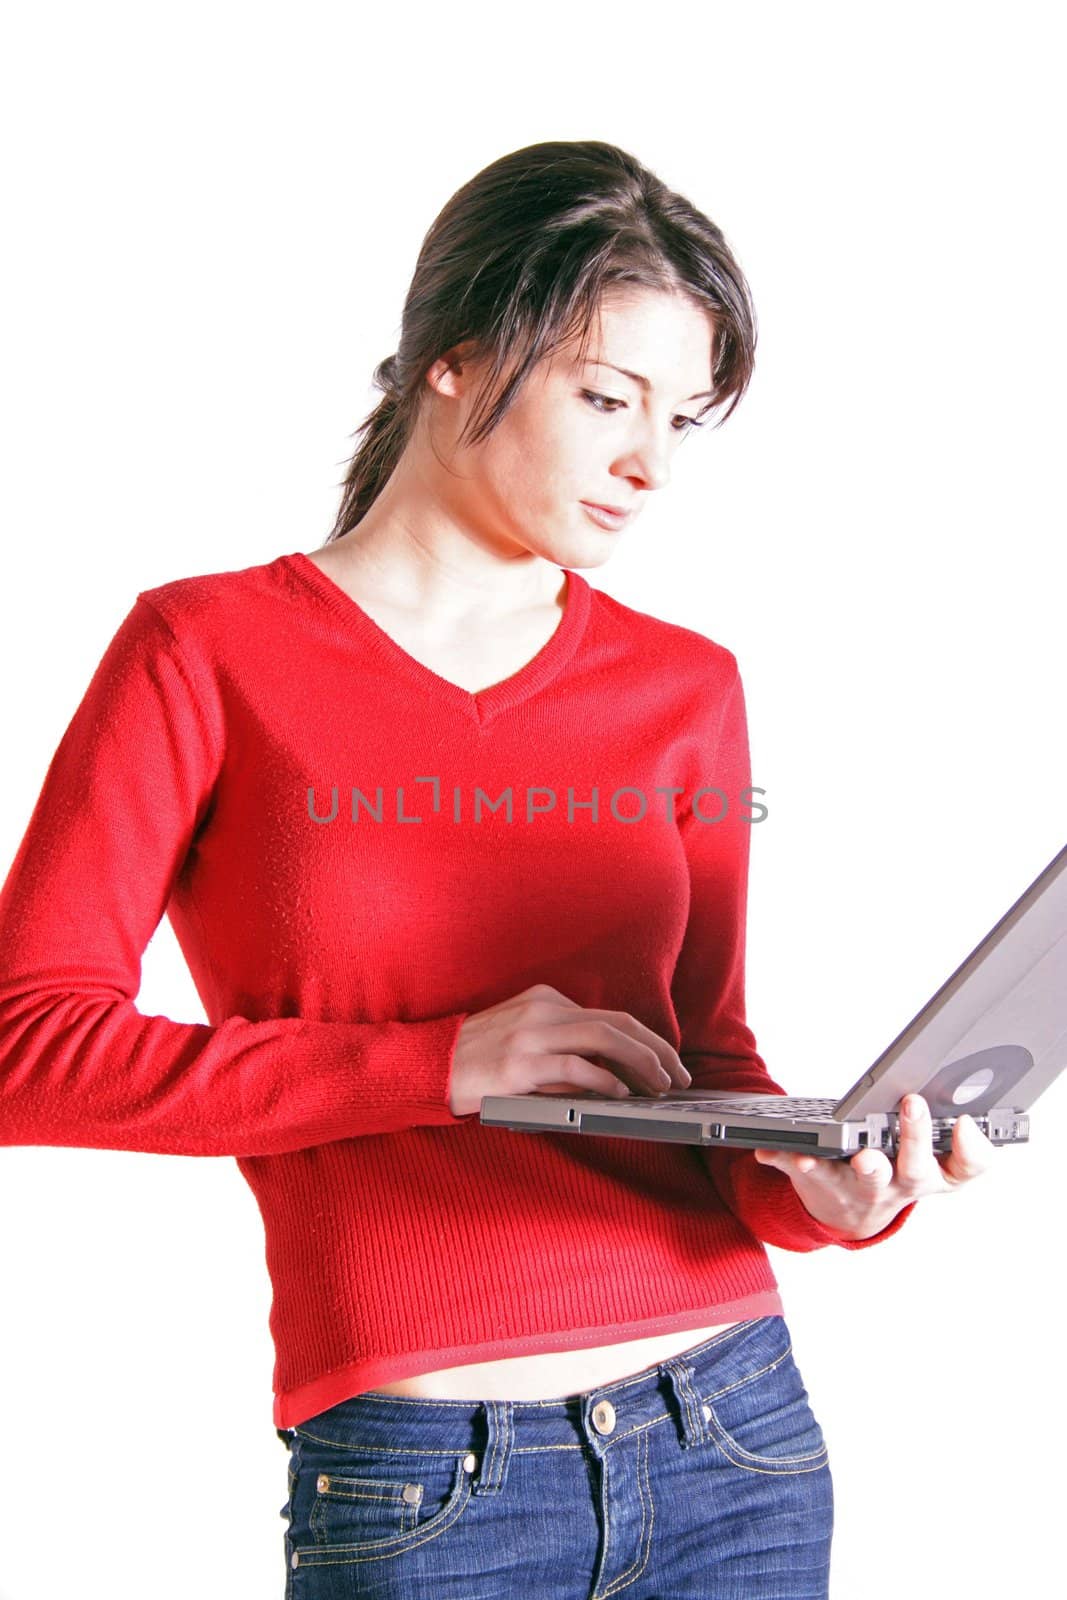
(690, 1406)
(500, 1428)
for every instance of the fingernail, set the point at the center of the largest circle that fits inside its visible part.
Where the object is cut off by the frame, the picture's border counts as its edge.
(913, 1108)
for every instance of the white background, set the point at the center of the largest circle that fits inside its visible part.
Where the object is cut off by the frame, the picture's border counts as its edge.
(213, 213)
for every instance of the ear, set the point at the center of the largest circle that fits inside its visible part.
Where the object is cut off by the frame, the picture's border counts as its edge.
(452, 373)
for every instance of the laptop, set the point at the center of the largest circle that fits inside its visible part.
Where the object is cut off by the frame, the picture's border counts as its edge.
(988, 1043)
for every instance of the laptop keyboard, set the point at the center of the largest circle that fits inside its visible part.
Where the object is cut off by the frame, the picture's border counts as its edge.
(769, 1105)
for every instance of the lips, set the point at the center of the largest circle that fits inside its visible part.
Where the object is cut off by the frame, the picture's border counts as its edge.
(604, 517)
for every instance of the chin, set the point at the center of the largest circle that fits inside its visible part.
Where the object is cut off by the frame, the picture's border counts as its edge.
(583, 552)
(596, 554)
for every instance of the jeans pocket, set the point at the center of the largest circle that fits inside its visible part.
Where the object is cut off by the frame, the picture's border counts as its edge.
(351, 1503)
(764, 1423)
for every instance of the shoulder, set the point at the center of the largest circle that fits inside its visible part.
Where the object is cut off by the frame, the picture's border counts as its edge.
(207, 627)
(192, 602)
(683, 655)
(212, 617)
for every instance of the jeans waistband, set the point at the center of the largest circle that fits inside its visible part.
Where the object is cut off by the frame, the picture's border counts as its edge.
(493, 1429)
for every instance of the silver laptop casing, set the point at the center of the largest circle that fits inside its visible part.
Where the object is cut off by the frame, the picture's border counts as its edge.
(989, 1042)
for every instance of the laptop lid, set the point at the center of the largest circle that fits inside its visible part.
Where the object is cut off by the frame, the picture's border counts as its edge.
(995, 1033)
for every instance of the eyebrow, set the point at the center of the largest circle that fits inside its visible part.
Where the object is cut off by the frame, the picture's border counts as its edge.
(643, 381)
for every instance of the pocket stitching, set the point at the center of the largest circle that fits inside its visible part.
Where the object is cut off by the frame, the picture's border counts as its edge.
(399, 1544)
(727, 1443)
(383, 1490)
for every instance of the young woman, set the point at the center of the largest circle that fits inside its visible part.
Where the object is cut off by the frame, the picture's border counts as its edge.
(429, 815)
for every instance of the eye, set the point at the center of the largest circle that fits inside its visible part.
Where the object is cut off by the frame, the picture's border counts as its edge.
(600, 402)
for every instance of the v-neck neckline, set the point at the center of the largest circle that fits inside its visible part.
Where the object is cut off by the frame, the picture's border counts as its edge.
(486, 703)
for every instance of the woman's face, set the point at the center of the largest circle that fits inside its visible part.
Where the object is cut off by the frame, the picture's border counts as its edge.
(574, 434)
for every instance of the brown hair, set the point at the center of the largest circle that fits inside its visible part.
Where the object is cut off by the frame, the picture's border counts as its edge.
(516, 264)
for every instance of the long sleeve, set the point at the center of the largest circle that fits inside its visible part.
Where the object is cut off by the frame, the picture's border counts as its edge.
(126, 791)
(708, 987)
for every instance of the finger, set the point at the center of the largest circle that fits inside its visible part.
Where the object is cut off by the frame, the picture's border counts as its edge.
(873, 1170)
(785, 1161)
(669, 1060)
(589, 1033)
(971, 1154)
(916, 1165)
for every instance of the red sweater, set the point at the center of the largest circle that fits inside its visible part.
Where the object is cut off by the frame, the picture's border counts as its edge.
(337, 955)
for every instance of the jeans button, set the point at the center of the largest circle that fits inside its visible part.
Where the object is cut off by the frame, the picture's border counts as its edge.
(603, 1416)
(470, 1461)
(707, 1413)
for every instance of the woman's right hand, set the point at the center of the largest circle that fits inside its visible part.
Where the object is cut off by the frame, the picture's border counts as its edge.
(541, 1040)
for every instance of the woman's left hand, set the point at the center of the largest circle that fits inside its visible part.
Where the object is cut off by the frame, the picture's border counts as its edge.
(859, 1197)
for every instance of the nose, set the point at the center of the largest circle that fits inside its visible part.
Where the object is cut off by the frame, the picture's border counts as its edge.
(647, 466)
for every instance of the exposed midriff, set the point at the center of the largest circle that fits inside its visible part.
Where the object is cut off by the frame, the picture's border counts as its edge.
(551, 1374)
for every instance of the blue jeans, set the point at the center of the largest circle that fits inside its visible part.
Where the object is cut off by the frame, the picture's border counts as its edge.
(704, 1476)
